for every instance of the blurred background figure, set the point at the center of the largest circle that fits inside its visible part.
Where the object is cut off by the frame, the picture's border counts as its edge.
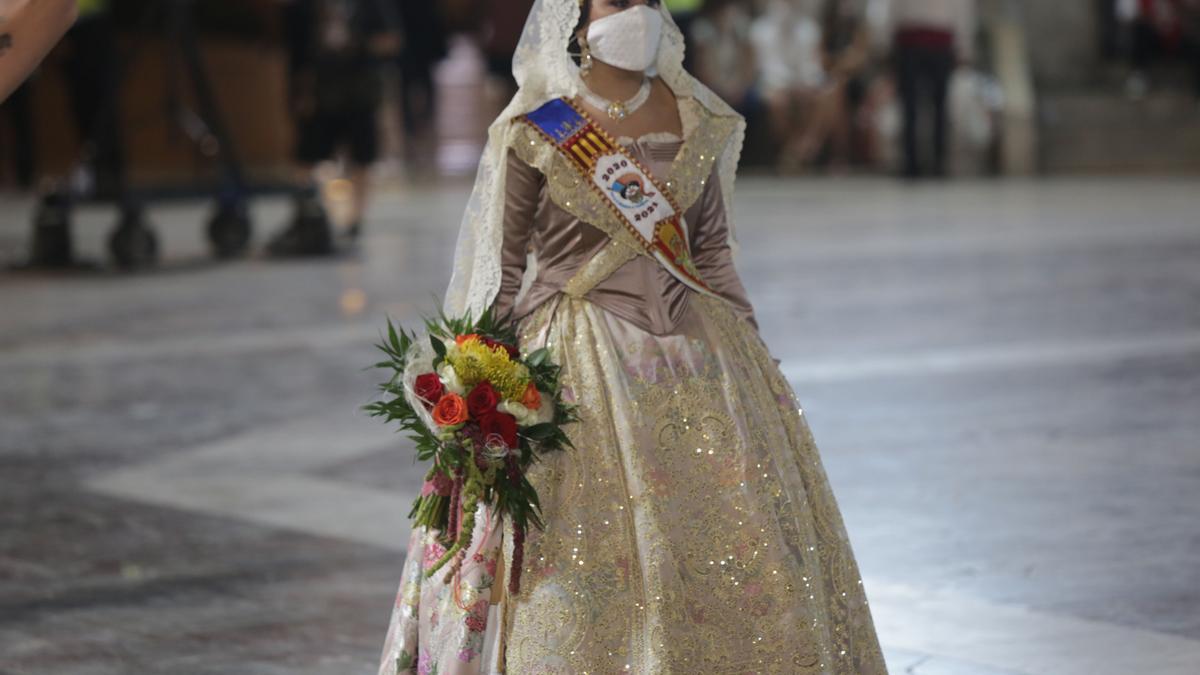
(501, 30)
(422, 45)
(801, 100)
(90, 62)
(846, 45)
(723, 53)
(930, 38)
(1158, 31)
(335, 51)
(1189, 13)
(93, 77)
(684, 12)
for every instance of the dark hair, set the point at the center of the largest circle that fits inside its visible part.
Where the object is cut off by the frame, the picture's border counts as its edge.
(585, 11)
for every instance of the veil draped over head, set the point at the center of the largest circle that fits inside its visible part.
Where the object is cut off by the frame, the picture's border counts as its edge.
(544, 70)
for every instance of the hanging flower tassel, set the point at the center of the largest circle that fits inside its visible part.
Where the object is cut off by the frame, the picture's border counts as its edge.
(518, 558)
(452, 526)
(472, 491)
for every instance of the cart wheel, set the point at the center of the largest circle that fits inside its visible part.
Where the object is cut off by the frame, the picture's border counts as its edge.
(229, 230)
(51, 241)
(133, 245)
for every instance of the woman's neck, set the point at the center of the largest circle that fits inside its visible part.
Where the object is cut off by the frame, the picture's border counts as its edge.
(612, 83)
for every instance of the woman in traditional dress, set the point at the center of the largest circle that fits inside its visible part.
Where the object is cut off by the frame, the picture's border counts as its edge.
(692, 528)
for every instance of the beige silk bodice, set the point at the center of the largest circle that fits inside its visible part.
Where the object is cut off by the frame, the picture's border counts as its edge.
(630, 285)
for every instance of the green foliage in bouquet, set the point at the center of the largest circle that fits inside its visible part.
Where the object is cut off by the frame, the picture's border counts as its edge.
(483, 414)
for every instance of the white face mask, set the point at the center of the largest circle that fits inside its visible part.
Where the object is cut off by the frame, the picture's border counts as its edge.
(627, 39)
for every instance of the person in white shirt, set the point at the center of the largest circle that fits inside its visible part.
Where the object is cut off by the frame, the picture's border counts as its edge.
(929, 38)
(792, 78)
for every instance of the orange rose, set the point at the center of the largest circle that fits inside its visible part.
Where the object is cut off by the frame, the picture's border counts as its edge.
(450, 410)
(532, 398)
(458, 340)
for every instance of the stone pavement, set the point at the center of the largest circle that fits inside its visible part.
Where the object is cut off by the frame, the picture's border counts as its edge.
(1004, 379)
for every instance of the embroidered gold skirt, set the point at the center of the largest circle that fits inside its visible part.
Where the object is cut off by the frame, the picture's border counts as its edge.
(691, 530)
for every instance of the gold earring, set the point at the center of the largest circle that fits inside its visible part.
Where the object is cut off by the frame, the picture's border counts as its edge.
(585, 56)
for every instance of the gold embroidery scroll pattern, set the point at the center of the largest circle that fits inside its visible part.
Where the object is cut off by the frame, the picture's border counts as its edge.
(589, 541)
(592, 359)
(614, 535)
(728, 562)
(851, 632)
(608, 260)
(670, 433)
(746, 395)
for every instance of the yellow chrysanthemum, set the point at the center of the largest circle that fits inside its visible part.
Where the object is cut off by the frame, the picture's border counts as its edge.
(475, 362)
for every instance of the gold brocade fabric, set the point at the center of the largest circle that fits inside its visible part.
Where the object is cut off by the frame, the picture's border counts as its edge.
(691, 530)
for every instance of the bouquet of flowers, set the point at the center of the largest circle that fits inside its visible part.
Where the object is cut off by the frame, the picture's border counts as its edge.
(483, 414)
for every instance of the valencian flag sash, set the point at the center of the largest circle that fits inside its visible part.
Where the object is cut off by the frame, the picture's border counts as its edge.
(640, 202)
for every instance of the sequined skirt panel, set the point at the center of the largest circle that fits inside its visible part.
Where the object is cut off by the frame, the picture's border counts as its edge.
(691, 530)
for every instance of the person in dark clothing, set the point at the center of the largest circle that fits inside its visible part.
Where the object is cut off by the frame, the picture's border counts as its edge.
(18, 109)
(1189, 19)
(423, 45)
(335, 49)
(930, 38)
(846, 43)
(502, 28)
(93, 81)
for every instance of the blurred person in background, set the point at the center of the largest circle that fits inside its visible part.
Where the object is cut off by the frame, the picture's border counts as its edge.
(93, 80)
(802, 102)
(1189, 14)
(1156, 30)
(724, 53)
(335, 50)
(501, 31)
(846, 43)
(930, 38)
(685, 12)
(28, 30)
(423, 44)
(17, 150)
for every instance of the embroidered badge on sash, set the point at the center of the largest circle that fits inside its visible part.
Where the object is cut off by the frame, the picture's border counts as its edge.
(639, 201)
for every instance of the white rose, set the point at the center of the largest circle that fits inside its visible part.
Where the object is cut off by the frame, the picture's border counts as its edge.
(450, 380)
(525, 416)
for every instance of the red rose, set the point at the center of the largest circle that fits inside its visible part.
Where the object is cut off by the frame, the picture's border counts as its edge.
(429, 389)
(512, 351)
(499, 427)
(482, 400)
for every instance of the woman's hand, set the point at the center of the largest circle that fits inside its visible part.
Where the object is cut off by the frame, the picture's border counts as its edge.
(28, 30)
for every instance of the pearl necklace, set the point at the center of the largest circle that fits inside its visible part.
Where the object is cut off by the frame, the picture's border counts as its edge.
(618, 110)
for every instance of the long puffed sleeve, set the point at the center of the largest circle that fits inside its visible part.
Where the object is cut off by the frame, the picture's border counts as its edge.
(711, 252)
(522, 194)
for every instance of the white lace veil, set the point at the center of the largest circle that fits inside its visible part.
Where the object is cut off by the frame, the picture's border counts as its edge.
(544, 70)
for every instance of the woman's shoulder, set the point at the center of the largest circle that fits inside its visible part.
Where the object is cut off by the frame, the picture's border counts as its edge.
(527, 150)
